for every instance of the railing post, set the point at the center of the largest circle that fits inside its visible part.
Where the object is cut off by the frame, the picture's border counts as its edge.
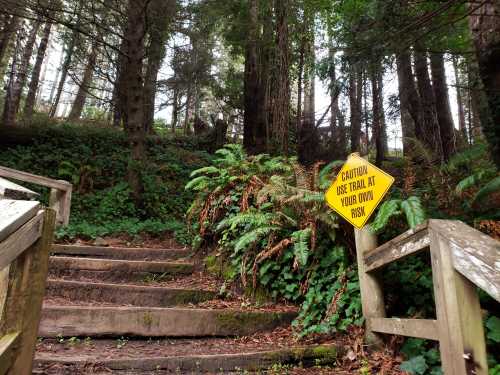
(372, 296)
(60, 202)
(23, 304)
(461, 334)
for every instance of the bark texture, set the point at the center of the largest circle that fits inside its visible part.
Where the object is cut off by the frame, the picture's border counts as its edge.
(35, 75)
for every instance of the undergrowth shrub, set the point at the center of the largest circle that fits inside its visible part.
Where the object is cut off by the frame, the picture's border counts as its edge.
(94, 159)
(267, 219)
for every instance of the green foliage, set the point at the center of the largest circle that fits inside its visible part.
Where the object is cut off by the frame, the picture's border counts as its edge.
(95, 161)
(422, 360)
(268, 218)
(493, 329)
(411, 207)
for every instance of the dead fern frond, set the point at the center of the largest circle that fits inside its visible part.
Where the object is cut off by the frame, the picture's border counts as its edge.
(266, 254)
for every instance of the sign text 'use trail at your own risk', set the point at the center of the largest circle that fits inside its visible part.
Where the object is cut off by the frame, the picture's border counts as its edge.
(358, 190)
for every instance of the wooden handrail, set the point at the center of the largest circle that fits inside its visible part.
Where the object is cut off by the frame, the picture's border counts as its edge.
(462, 259)
(60, 193)
(25, 230)
(34, 179)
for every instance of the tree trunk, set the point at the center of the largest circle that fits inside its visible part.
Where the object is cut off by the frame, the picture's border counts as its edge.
(460, 102)
(377, 116)
(354, 104)
(175, 108)
(443, 110)
(13, 96)
(35, 75)
(85, 84)
(410, 107)
(134, 88)
(64, 73)
(308, 141)
(251, 81)
(159, 18)
(485, 27)
(338, 147)
(431, 131)
(11, 25)
(281, 109)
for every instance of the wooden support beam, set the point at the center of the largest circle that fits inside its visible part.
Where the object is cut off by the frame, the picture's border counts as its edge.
(14, 214)
(60, 202)
(20, 240)
(461, 334)
(372, 297)
(7, 345)
(421, 328)
(10, 190)
(475, 255)
(408, 243)
(23, 305)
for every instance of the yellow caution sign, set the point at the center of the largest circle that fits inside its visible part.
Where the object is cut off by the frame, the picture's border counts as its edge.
(358, 190)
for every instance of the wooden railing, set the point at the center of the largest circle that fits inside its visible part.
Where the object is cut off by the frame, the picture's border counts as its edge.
(26, 232)
(60, 191)
(462, 259)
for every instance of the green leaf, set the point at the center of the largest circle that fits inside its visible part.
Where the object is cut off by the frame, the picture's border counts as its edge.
(386, 211)
(469, 182)
(198, 183)
(415, 213)
(205, 170)
(301, 245)
(252, 237)
(416, 365)
(491, 187)
(493, 326)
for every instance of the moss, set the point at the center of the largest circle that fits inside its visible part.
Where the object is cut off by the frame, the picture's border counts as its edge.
(211, 265)
(148, 319)
(183, 297)
(324, 354)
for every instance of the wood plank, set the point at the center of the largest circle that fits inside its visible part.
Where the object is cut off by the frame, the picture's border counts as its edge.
(14, 214)
(20, 240)
(7, 344)
(475, 255)
(11, 190)
(39, 180)
(33, 289)
(421, 328)
(408, 243)
(372, 296)
(461, 336)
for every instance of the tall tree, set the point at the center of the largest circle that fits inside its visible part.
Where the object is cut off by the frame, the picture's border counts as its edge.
(35, 75)
(443, 110)
(485, 27)
(281, 107)
(430, 125)
(15, 89)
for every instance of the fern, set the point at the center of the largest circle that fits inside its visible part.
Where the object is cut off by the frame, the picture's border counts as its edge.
(325, 179)
(253, 219)
(469, 182)
(205, 170)
(250, 238)
(491, 187)
(415, 213)
(199, 183)
(387, 210)
(300, 241)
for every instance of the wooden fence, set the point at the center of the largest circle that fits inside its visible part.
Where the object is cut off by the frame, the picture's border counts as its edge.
(26, 233)
(60, 191)
(462, 260)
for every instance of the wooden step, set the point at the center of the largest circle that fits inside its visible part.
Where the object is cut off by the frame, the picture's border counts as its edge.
(107, 269)
(96, 321)
(130, 362)
(146, 296)
(124, 253)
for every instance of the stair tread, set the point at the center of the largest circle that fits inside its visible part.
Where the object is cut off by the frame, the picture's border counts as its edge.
(208, 353)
